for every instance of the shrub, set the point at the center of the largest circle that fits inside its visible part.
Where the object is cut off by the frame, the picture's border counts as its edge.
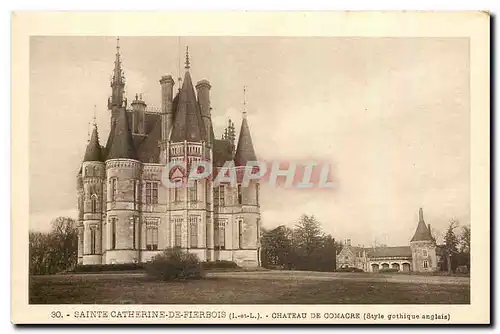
(350, 270)
(220, 265)
(174, 264)
(388, 270)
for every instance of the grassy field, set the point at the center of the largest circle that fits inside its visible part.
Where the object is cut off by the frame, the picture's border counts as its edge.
(106, 289)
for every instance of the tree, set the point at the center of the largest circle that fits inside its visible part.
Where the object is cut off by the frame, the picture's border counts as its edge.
(277, 247)
(307, 239)
(464, 252)
(55, 251)
(305, 247)
(451, 245)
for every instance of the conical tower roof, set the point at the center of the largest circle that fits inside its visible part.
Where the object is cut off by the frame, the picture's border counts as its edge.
(422, 232)
(93, 151)
(188, 124)
(244, 151)
(122, 143)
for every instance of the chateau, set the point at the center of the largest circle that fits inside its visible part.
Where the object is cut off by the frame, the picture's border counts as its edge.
(421, 255)
(127, 213)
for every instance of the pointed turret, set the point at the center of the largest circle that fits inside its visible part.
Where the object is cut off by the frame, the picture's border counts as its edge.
(422, 233)
(93, 151)
(188, 124)
(122, 143)
(245, 151)
(117, 81)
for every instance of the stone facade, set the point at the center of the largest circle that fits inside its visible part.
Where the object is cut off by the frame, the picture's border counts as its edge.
(128, 214)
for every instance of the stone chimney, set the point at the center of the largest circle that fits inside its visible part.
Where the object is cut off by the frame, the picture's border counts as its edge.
(167, 85)
(203, 91)
(139, 109)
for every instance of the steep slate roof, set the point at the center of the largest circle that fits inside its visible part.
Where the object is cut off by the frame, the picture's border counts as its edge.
(122, 143)
(149, 151)
(93, 151)
(110, 139)
(422, 232)
(187, 123)
(400, 251)
(222, 152)
(244, 151)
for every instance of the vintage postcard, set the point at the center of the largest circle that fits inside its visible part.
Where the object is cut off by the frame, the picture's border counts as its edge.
(251, 168)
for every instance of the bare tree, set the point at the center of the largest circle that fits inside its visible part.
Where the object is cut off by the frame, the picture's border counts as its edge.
(55, 251)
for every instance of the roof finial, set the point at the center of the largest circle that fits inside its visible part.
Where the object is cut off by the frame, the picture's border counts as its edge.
(187, 58)
(244, 101)
(88, 133)
(94, 118)
(118, 44)
(179, 78)
(420, 215)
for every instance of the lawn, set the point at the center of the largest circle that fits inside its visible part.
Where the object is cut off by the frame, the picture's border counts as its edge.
(104, 289)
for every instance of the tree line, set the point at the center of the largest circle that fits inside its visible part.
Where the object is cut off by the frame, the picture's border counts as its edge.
(304, 247)
(457, 247)
(54, 251)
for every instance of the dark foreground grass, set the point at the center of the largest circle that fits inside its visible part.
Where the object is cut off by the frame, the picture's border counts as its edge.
(141, 290)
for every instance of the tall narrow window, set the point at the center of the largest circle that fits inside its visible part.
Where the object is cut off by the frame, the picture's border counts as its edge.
(93, 240)
(424, 252)
(240, 200)
(193, 192)
(221, 196)
(178, 232)
(178, 191)
(152, 236)
(241, 230)
(93, 203)
(155, 192)
(193, 232)
(220, 235)
(257, 190)
(132, 227)
(426, 264)
(113, 189)
(134, 195)
(113, 233)
(151, 192)
(216, 196)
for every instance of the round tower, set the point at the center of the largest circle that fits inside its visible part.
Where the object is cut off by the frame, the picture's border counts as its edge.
(423, 247)
(80, 201)
(123, 171)
(93, 175)
(247, 196)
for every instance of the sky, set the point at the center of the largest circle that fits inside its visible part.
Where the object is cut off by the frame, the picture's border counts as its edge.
(390, 115)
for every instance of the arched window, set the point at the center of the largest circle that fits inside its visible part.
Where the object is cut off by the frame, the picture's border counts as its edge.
(93, 203)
